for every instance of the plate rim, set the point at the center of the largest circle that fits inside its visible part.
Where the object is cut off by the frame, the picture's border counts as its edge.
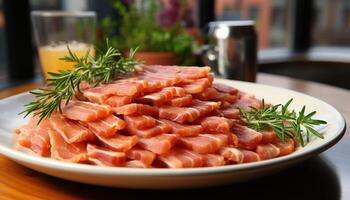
(14, 154)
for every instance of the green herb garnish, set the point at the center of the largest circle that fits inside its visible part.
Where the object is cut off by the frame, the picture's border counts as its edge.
(63, 85)
(285, 123)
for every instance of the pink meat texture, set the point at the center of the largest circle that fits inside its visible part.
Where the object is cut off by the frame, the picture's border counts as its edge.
(160, 116)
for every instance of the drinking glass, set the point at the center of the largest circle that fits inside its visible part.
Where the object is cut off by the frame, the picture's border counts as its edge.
(54, 31)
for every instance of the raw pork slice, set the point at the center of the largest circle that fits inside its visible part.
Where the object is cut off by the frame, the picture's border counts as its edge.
(181, 101)
(197, 86)
(71, 131)
(107, 127)
(225, 88)
(160, 128)
(140, 121)
(182, 158)
(287, 147)
(268, 136)
(61, 150)
(208, 95)
(159, 144)
(117, 101)
(204, 143)
(213, 160)
(179, 114)
(215, 124)
(105, 156)
(119, 142)
(232, 155)
(249, 156)
(184, 72)
(85, 111)
(135, 164)
(158, 98)
(135, 108)
(184, 130)
(147, 157)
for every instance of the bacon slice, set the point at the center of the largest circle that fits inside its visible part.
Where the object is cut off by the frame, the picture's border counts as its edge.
(140, 121)
(101, 93)
(267, 151)
(159, 144)
(268, 136)
(119, 142)
(135, 164)
(179, 114)
(207, 95)
(215, 124)
(181, 101)
(61, 150)
(249, 156)
(232, 155)
(106, 127)
(104, 156)
(166, 80)
(184, 72)
(184, 130)
(158, 98)
(85, 111)
(232, 113)
(71, 131)
(160, 128)
(34, 136)
(179, 92)
(204, 143)
(246, 101)
(287, 147)
(147, 157)
(205, 107)
(134, 108)
(213, 160)
(197, 86)
(225, 88)
(248, 138)
(117, 101)
(182, 158)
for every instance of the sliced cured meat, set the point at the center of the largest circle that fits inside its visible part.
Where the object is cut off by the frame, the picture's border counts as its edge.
(185, 72)
(158, 98)
(184, 130)
(213, 160)
(61, 150)
(135, 164)
(179, 114)
(101, 93)
(287, 147)
(204, 143)
(225, 88)
(160, 128)
(107, 127)
(159, 144)
(205, 107)
(140, 121)
(216, 124)
(182, 158)
(71, 131)
(147, 157)
(85, 111)
(231, 154)
(35, 137)
(181, 101)
(165, 80)
(249, 156)
(135, 108)
(197, 86)
(117, 101)
(225, 105)
(232, 113)
(104, 156)
(119, 142)
(268, 136)
(267, 151)
(207, 95)
(246, 101)
(179, 92)
(248, 138)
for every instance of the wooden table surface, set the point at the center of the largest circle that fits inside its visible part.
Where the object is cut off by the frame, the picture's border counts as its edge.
(326, 176)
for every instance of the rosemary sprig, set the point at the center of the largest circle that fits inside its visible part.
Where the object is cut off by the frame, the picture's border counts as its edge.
(63, 85)
(285, 123)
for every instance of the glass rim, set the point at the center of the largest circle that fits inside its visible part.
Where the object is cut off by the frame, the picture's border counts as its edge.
(58, 13)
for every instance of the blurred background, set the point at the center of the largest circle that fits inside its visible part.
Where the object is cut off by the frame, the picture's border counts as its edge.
(302, 39)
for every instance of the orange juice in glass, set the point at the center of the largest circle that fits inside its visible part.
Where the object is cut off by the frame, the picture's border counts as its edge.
(50, 55)
(55, 31)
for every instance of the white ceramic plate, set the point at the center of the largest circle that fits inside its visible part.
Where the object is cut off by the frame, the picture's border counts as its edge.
(174, 178)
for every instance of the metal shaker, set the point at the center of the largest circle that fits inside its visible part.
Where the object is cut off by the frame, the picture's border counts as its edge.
(232, 50)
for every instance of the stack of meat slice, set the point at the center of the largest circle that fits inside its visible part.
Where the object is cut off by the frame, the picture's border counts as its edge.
(159, 116)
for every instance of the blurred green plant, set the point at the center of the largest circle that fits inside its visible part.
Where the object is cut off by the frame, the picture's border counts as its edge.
(138, 27)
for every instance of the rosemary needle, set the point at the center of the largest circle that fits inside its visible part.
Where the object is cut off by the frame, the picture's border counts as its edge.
(63, 85)
(285, 123)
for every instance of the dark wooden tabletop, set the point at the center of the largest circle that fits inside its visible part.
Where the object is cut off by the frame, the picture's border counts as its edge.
(326, 176)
